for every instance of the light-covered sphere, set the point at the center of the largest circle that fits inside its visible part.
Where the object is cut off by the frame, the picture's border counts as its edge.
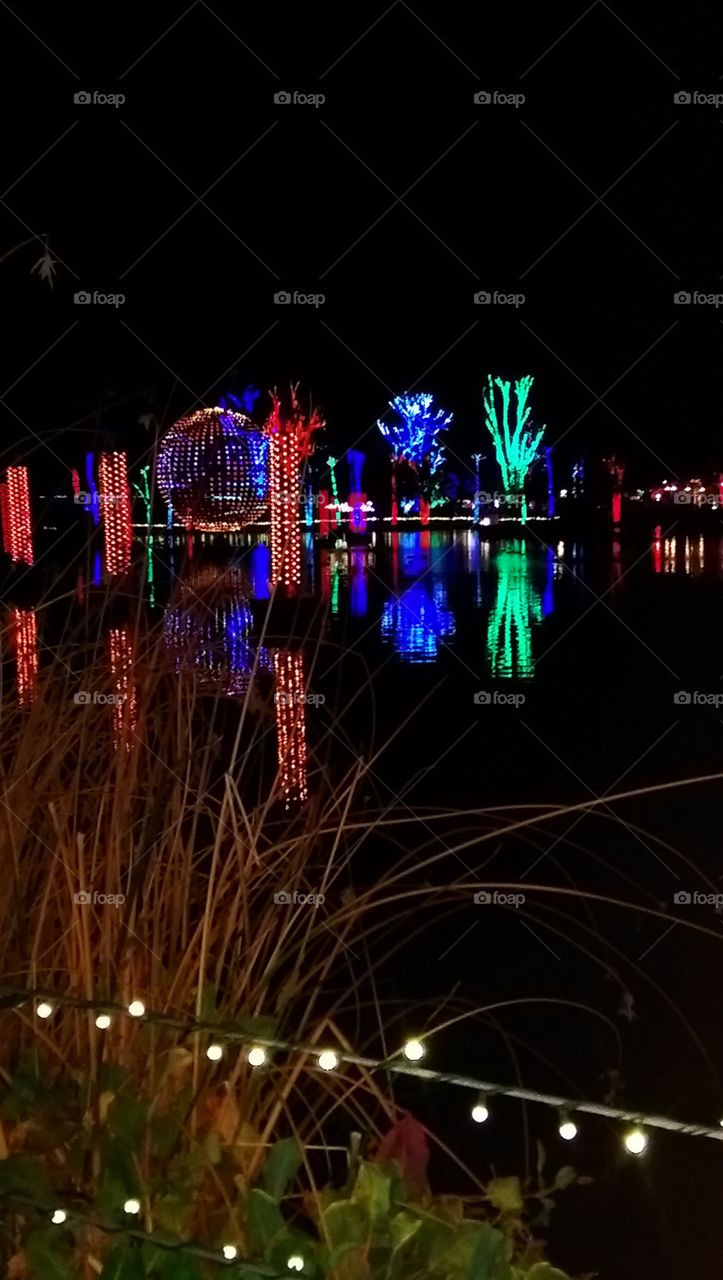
(213, 470)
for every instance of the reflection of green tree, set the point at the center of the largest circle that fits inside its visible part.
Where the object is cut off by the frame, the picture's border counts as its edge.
(509, 630)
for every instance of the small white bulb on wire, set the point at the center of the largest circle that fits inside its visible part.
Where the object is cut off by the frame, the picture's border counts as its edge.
(295, 1263)
(480, 1110)
(214, 1052)
(327, 1061)
(103, 1021)
(44, 1009)
(132, 1206)
(136, 1008)
(636, 1140)
(256, 1056)
(567, 1128)
(58, 1216)
(413, 1050)
(229, 1252)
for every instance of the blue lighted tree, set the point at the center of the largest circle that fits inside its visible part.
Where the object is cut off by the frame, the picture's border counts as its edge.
(516, 444)
(414, 436)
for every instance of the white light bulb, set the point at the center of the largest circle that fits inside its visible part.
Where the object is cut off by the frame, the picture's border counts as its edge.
(136, 1008)
(295, 1263)
(414, 1050)
(257, 1057)
(132, 1206)
(229, 1252)
(567, 1130)
(327, 1062)
(44, 1009)
(214, 1052)
(59, 1215)
(480, 1113)
(636, 1141)
(103, 1021)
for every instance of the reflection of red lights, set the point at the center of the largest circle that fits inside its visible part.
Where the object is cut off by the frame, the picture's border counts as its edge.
(115, 507)
(26, 653)
(17, 529)
(290, 440)
(291, 725)
(617, 507)
(125, 705)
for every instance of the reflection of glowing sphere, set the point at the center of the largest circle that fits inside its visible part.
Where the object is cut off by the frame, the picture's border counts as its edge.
(213, 470)
(207, 630)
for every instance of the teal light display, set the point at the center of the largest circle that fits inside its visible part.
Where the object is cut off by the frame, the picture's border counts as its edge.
(517, 606)
(516, 443)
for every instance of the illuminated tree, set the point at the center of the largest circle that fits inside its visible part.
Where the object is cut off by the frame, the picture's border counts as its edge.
(290, 434)
(414, 439)
(515, 443)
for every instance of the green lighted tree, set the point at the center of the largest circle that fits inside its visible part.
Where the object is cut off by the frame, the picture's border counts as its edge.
(515, 444)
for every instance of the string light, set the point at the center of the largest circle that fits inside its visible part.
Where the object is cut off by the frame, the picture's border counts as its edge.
(635, 1138)
(256, 1056)
(295, 1263)
(26, 654)
(636, 1141)
(115, 509)
(413, 1050)
(125, 707)
(290, 440)
(18, 537)
(132, 1206)
(213, 470)
(229, 1252)
(58, 1216)
(214, 1052)
(103, 1021)
(567, 1129)
(290, 725)
(480, 1111)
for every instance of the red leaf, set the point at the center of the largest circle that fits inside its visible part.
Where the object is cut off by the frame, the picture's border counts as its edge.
(406, 1143)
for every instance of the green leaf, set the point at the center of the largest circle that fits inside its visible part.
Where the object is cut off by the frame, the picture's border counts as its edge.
(45, 1258)
(264, 1219)
(373, 1192)
(505, 1194)
(543, 1271)
(126, 1119)
(178, 1265)
(23, 1177)
(281, 1167)
(564, 1177)
(402, 1227)
(124, 1263)
(346, 1224)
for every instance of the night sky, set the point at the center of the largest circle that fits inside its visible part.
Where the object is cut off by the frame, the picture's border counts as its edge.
(399, 198)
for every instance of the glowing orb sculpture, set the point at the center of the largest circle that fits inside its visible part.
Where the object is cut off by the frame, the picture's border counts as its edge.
(213, 470)
(207, 631)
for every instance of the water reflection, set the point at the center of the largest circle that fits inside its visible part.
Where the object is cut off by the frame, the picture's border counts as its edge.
(207, 629)
(25, 637)
(418, 621)
(125, 704)
(517, 605)
(290, 700)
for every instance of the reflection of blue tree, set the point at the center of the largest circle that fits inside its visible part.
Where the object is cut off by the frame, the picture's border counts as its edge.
(417, 621)
(509, 629)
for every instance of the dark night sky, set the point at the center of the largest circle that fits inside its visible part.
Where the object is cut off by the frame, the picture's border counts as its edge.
(398, 199)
